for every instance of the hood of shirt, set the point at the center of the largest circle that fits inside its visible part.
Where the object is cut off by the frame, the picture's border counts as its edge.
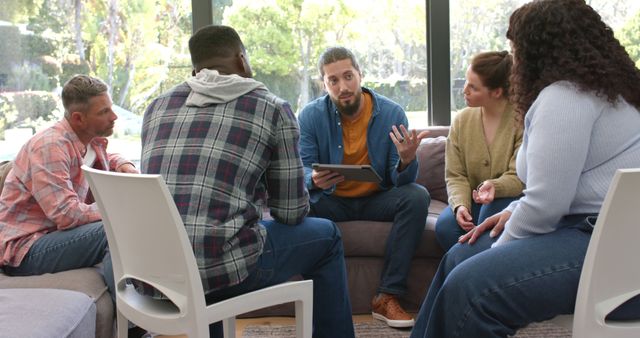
(210, 87)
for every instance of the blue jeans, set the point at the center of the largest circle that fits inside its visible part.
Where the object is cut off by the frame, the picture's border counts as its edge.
(80, 247)
(447, 228)
(407, 206)
(480, 291)
(314, 250)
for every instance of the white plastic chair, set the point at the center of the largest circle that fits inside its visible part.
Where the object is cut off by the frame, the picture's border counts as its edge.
(610, 274)
(148, 242)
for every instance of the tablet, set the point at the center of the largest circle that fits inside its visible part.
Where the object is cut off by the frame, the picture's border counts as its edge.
(351, 172)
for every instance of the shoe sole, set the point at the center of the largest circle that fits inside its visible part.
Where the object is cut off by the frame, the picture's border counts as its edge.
(393, 323)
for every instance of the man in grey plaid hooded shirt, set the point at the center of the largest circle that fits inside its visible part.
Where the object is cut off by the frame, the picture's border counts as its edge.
(223, 143)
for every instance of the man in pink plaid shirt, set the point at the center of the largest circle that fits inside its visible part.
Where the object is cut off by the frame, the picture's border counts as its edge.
(48, 219)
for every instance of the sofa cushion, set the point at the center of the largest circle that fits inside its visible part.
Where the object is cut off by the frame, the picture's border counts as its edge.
(435, 131)
(86, 280)
(46, 313)
(431, 174)
(435, 209)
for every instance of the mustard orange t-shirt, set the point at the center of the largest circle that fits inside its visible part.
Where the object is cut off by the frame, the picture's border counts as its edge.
(354, 139)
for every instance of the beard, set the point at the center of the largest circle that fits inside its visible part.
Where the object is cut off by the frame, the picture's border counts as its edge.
(105, 132)
(108, 132)
(349, 109)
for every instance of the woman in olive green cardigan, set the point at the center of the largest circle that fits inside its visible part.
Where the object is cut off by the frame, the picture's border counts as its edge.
(481, 150)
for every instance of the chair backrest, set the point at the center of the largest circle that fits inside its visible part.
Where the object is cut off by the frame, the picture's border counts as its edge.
(611, 274)
(146, 236)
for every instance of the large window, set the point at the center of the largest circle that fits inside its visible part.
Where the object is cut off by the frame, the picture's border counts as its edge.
(137, 46)
(481, 25)
(410, 51)
(284, 39)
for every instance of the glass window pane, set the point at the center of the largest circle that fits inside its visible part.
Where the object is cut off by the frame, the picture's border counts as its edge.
(139, 47)
(284, 39)
(481, 25)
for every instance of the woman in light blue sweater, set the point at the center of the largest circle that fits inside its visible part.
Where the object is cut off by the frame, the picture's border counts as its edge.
(578, 94)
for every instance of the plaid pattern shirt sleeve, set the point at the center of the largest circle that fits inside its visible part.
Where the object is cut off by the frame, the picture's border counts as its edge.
(288, 198)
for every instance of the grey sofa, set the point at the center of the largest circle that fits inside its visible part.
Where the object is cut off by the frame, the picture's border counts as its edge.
(363, 243)
(47, 313)
(87, 281)
(364, 240)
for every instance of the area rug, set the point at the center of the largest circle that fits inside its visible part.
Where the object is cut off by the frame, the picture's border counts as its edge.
(363, 330)
(378, 329)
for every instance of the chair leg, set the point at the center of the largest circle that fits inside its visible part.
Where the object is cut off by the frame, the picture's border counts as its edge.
(304, 321)
(122, 324)
(229, 327)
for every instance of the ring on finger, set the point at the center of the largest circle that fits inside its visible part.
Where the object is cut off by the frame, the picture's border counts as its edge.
(401, 140)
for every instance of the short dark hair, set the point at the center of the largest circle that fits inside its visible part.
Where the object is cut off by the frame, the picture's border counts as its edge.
(494, 69)
(78, 90)
(335, 54)
(214, 41)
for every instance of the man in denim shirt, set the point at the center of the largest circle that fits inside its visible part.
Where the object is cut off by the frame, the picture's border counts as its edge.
(354, 125)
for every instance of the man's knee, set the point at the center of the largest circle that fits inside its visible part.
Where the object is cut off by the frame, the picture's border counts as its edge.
(95, 232)
(415, 200)
(324, 227)
(329, 231)
(416, 195)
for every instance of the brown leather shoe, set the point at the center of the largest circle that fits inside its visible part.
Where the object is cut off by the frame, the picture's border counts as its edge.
(386, 308)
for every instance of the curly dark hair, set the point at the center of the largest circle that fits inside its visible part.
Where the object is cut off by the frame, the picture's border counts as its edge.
(554, 40)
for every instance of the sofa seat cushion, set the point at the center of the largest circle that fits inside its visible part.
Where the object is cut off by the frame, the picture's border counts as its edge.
(435, 209)
(46, 313)
(86, 280)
